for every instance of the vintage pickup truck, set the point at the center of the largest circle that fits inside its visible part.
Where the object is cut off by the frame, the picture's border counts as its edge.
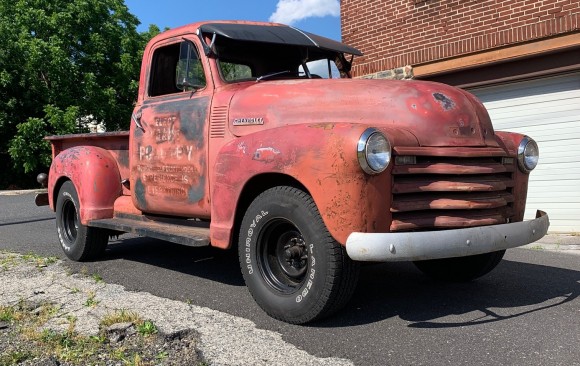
(255, 136)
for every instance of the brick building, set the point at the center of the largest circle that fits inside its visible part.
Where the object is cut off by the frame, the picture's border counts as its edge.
(520, 57)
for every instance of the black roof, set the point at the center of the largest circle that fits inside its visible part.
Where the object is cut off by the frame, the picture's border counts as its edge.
(280, 34)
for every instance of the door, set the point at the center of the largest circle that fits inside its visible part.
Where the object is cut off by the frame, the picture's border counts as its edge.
(169, 135)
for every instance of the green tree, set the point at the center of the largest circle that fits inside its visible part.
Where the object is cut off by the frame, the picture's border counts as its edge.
(61, 60)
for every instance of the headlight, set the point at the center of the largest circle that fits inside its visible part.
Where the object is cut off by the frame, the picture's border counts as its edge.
(373, 151)
(528, 154)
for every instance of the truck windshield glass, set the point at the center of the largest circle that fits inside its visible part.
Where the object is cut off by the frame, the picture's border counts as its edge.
(324, 68)
(243, 61)
(235, 72)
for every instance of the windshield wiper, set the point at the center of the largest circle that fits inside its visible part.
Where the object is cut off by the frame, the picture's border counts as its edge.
(263, 77)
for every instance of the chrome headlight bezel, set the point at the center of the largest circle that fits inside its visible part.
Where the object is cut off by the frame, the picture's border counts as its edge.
(372, 137)
(527, 162)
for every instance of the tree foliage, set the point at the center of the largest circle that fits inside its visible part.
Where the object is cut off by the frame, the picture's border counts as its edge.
(61, 60)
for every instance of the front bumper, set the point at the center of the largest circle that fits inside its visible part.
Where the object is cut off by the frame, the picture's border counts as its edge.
(424, 245)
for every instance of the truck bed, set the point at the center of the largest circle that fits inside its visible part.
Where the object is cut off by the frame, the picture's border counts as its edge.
(117, 143)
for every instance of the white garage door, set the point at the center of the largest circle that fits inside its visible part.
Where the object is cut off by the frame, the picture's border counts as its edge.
(548, 110)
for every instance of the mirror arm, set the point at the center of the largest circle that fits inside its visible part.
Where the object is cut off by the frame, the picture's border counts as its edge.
(207, 49)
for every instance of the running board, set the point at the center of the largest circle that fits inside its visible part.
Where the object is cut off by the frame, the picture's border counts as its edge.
(195, 236)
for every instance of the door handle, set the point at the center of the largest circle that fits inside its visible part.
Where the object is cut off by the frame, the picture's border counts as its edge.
(137, 119)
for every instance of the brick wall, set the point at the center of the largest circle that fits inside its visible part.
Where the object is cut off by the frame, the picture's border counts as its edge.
(395, 33)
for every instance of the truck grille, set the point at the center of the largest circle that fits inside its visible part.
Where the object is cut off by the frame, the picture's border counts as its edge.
(443, 192)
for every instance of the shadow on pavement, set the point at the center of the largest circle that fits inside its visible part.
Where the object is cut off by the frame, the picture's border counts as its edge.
(513, 289)
(205, 262)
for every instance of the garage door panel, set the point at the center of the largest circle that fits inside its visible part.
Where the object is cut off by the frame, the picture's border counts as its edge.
(535, 117)
(535, 111)
(528, 103)
(539, 124)
(557, 184)
(563, 226)
(539, 87)
(548, 110)
(565, 147)
(548, 195)
(556, 158)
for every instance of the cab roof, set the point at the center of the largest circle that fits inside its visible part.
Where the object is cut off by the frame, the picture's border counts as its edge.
(275, 33)
(263, 32)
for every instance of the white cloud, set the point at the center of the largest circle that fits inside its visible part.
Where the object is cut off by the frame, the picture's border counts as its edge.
(292, 11)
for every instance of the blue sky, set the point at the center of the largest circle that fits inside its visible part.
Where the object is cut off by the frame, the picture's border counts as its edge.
(315, 16)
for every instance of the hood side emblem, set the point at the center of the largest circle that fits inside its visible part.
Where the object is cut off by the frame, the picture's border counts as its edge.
(248, 121)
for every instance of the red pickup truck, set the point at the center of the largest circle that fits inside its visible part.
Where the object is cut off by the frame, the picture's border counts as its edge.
(253, 135)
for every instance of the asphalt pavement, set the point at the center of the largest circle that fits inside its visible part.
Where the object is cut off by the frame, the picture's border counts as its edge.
(526, 311)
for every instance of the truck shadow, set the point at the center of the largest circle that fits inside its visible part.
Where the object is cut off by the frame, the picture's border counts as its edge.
(204, 262)
(512, 290)
(384, 291)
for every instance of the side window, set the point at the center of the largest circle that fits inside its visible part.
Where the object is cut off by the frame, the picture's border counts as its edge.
(189, 75)
(175, 68)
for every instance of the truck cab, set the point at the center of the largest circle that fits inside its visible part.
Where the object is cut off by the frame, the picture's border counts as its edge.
(254, 136)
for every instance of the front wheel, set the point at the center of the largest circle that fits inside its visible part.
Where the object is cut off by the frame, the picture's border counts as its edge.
(461, 269)
(292, 266)
(79, 242)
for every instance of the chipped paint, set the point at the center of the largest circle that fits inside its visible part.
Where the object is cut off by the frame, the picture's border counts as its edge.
(445, 102)
(168, 161)
(265, 154)
(139, 194)
(243, 147)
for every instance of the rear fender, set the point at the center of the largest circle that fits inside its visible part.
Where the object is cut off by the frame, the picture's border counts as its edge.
(323, 158)
(95, 175)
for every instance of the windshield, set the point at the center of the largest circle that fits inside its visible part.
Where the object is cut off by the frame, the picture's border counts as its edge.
(243, 61)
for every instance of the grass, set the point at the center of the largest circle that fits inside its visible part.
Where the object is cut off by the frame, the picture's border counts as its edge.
(6, 314)
(91, 301)
(38, 260)
(146, 328)
(120, 316)
(69, 346)
(9, 260)
(97, 278)
(537, 247)
(15, 357)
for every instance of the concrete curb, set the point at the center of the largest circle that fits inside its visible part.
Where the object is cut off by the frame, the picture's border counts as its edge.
(22, 191)
(557, 242)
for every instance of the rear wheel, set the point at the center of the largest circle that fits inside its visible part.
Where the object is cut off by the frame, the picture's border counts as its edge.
(79, 242)
(461, 269)
(292, 266)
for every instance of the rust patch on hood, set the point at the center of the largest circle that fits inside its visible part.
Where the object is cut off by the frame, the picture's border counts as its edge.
(445, 102)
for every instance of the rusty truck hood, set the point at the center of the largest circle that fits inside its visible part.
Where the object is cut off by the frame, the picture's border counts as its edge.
(436, 114)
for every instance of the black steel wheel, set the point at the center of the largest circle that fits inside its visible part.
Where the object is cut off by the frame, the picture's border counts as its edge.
(79, 242)
(460, 269)
(292, 266)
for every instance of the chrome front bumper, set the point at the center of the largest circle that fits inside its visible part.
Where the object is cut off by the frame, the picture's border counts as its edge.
(416, 246)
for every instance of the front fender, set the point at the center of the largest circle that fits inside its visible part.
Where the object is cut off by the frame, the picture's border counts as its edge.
(322, 157)
(95, 175)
